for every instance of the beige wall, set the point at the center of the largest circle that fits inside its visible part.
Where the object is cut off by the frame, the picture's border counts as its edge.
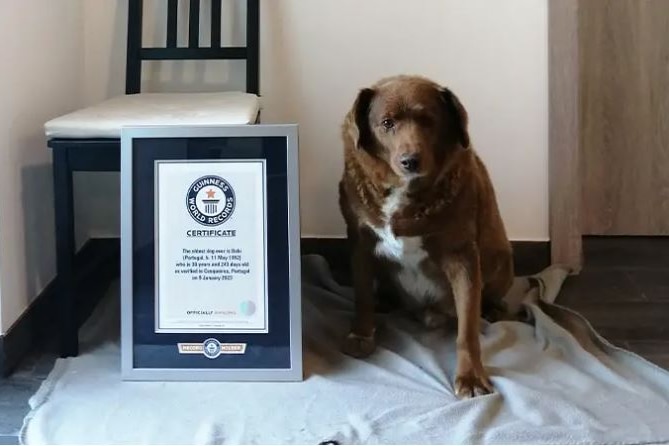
(493, 54)
(315, 54)
(41, 77)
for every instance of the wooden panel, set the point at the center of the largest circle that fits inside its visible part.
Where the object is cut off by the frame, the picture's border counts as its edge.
(253, 46)
(172, 14)
(564, 179)
(624, 59)
(215, 23)
(194, 24)
(133, 67)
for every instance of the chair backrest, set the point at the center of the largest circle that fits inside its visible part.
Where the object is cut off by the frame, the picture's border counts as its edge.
(136, 53)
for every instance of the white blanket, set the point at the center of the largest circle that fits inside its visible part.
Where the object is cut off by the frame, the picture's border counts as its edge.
(557, 382)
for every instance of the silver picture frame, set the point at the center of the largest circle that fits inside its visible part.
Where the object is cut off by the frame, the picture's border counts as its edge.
(129, 371)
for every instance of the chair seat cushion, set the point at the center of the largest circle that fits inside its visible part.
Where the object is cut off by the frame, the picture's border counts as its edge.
(105, 120)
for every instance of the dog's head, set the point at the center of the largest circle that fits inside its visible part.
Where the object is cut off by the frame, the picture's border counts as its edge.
(409, 122)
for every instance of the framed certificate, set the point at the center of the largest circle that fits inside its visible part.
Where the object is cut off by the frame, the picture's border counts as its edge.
(210, 275)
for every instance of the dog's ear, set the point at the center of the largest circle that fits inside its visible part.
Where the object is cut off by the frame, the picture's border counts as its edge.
(361, 118)
(459, 120)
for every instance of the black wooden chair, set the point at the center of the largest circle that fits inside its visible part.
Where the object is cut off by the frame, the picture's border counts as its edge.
(89, 139)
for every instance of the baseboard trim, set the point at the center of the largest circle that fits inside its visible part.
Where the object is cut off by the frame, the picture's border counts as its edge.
(96, 266)
(529, 256)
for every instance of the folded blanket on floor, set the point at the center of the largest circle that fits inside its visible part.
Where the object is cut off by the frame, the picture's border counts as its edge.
(557, 381)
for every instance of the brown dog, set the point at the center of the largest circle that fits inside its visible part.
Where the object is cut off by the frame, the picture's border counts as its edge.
(422, 217)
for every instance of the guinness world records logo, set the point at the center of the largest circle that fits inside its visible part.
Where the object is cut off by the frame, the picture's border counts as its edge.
(211, 348)
(210, 200)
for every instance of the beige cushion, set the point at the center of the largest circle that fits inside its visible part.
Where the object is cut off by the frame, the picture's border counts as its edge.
(106, 119)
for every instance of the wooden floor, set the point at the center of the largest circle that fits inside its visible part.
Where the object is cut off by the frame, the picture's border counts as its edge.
(623, 291)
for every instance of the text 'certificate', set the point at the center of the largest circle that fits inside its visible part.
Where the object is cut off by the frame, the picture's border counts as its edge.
(211, 268)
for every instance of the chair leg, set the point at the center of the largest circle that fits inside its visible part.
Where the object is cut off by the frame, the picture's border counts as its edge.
(64, 210)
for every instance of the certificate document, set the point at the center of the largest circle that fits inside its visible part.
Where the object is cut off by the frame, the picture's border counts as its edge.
(211, 259)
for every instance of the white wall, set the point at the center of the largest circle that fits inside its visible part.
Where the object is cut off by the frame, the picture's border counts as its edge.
(316, 54)
(41, 77)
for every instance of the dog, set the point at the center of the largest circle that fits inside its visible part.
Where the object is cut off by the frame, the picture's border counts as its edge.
(422, 218)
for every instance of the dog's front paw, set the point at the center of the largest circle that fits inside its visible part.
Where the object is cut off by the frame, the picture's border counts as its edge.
(472, 383)
(359, 346)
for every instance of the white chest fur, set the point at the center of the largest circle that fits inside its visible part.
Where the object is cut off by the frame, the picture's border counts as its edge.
(408, 253)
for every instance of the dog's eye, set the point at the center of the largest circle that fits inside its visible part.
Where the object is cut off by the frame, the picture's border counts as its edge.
(388, 123)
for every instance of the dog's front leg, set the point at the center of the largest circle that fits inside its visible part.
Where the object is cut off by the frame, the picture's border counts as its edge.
(464, 274)
(360, 341)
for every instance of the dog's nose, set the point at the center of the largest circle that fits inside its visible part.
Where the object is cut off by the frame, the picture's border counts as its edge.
(410, 163)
